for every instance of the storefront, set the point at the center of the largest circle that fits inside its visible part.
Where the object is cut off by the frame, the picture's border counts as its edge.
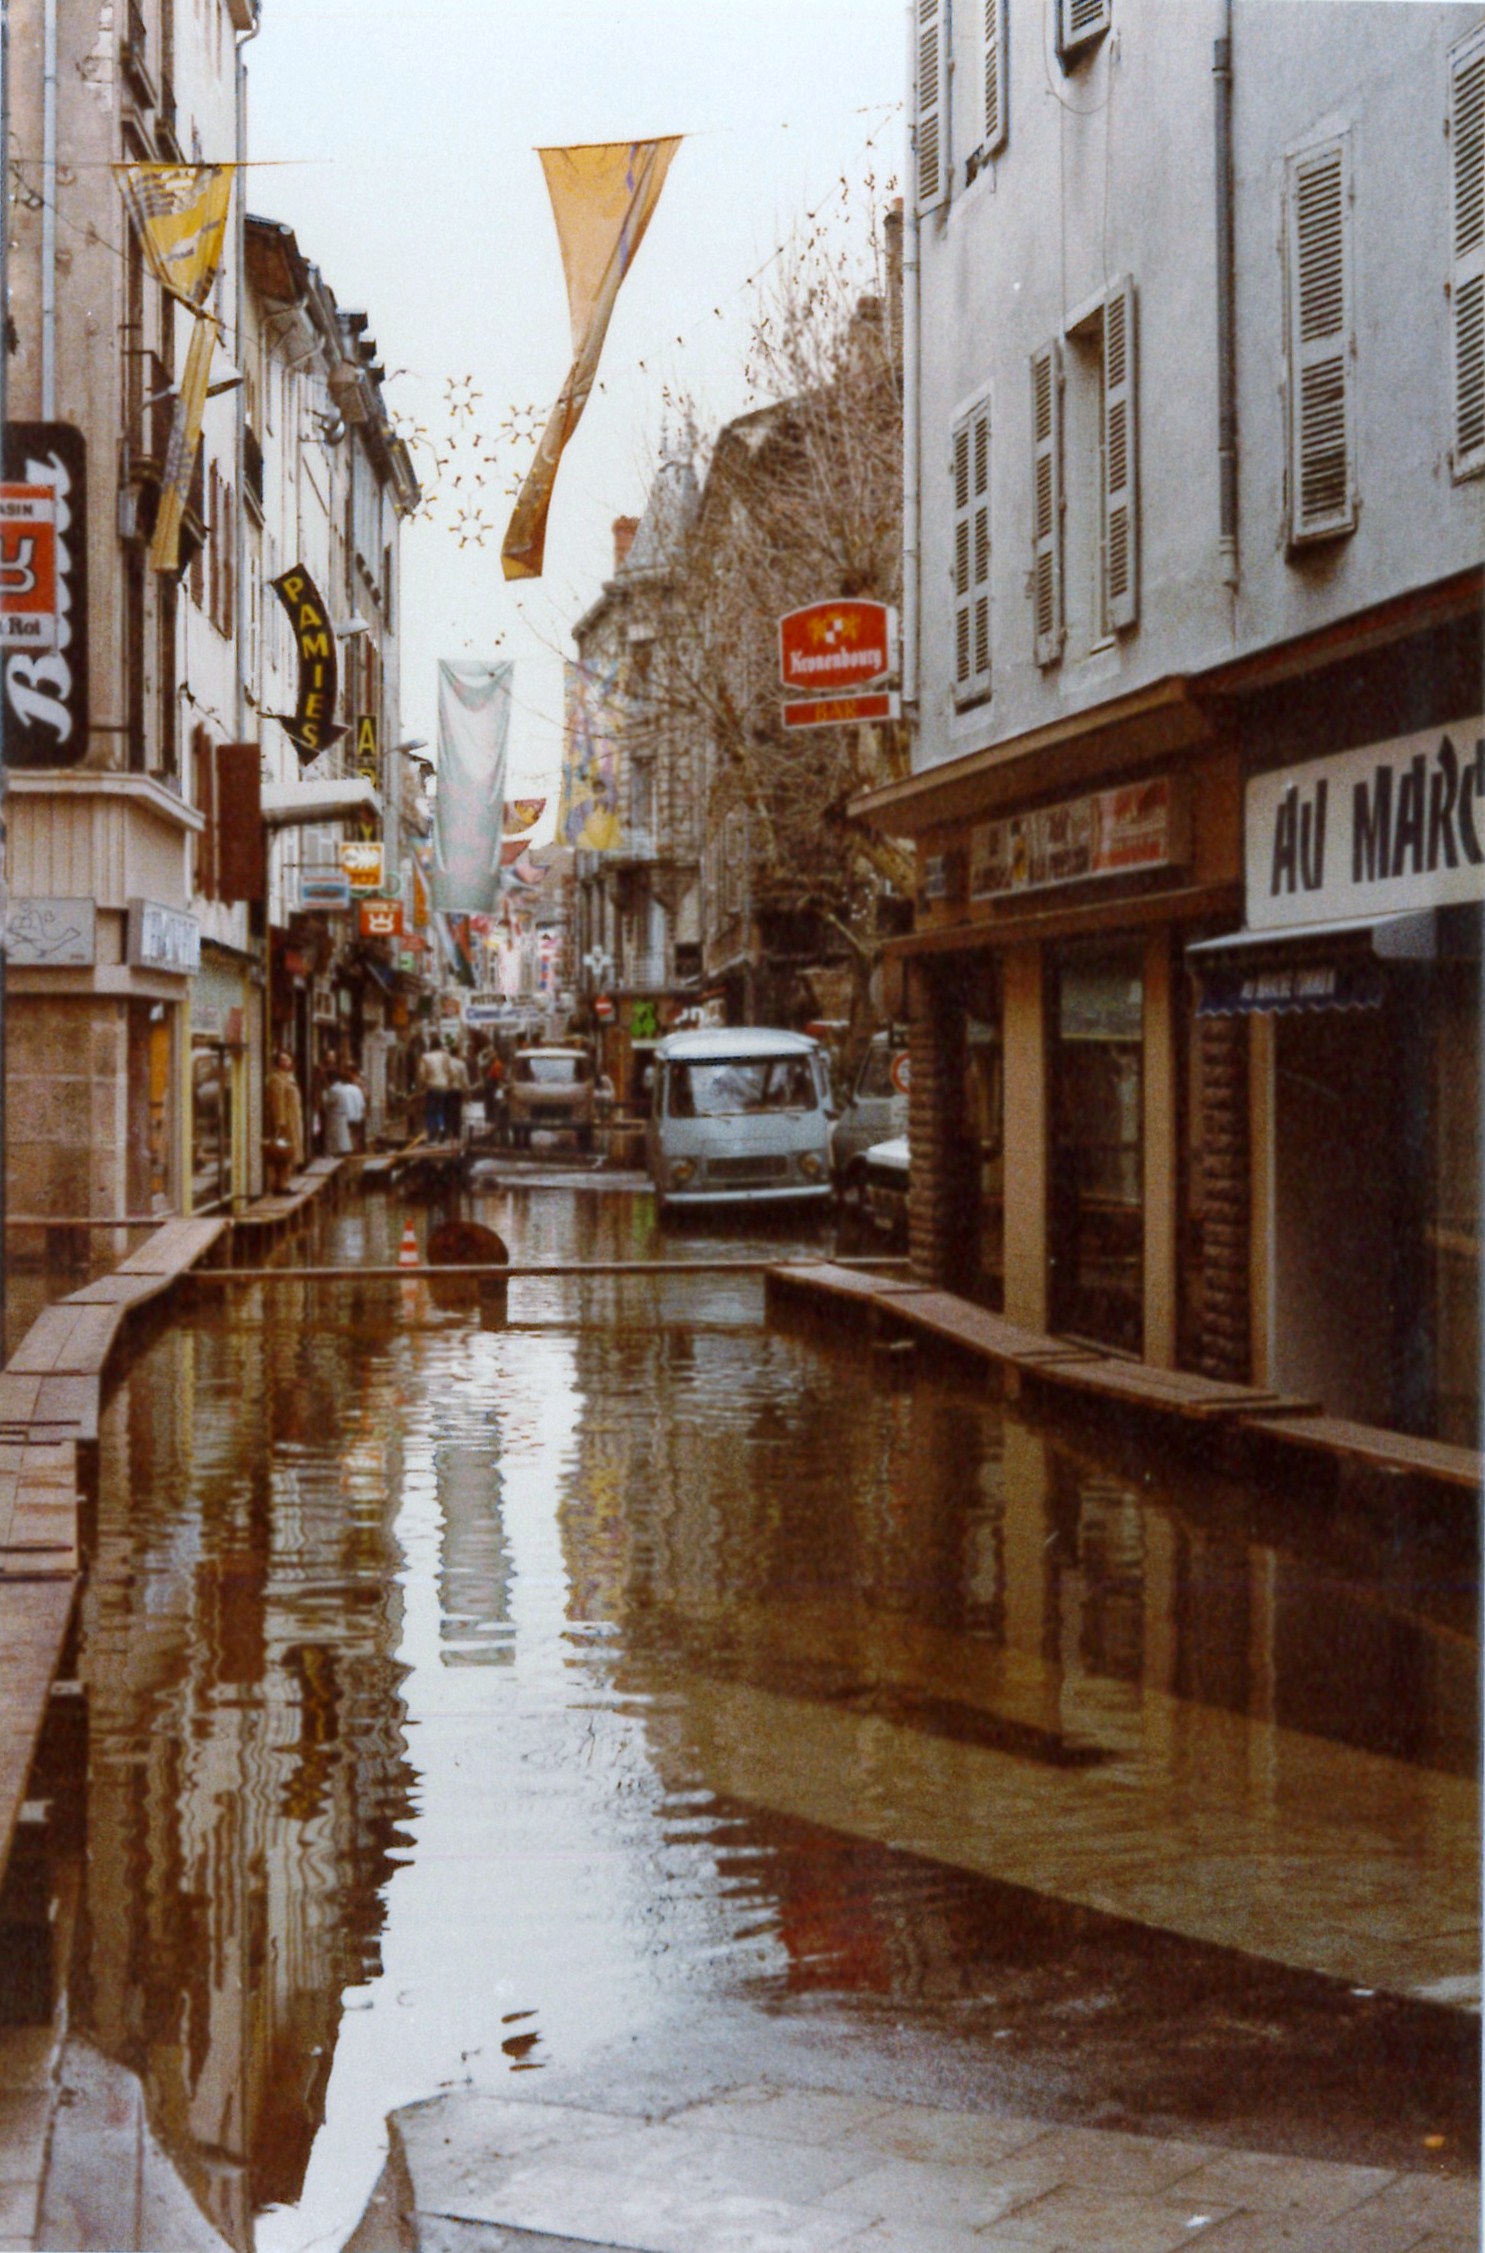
(1057, 1110)
(221, 1020)
(1358, 976)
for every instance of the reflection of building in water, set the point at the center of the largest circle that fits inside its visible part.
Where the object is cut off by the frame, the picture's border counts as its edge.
(247, 1772)
(475, 1565)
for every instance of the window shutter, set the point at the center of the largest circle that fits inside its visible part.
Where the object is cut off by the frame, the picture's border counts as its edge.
(931, 129)
(996, 49)
(970, 471)
(241, 853)
(1120, 452)
(1467, 281)
(1322, 469)
(1078, 21)
(1046, 505)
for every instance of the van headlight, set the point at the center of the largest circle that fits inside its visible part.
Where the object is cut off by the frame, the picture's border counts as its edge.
(811, 1166)
(682, 1171)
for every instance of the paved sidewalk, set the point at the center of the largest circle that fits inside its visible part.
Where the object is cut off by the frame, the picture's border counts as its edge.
(765, 2170)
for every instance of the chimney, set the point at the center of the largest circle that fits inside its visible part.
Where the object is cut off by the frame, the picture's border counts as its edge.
(625, 528)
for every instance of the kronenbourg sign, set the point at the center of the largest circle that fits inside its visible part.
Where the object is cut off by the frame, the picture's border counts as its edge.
(831, 646)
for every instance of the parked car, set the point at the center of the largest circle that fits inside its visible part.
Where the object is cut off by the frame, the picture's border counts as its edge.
(550, 1087)
(884, 1184)
(739, 1115)
(875, 1111)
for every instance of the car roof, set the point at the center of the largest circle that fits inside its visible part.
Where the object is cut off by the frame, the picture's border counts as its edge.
(733, 1044)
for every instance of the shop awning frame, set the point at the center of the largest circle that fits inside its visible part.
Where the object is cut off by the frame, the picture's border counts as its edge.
(1305, 967)
(293, 805)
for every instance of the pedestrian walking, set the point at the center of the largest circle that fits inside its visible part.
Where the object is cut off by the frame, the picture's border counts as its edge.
(458, 1088)
(433, 1082)
(355, 1088)
(283, 1116)
(340, 1101)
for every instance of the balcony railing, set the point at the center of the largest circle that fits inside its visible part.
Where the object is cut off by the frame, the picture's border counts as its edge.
(646, 969)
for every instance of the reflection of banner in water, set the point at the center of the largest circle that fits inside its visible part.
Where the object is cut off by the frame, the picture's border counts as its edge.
(473, 723)
(603, 197)
(588, 814)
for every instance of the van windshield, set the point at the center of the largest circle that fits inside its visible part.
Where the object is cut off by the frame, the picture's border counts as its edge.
(723, 1088)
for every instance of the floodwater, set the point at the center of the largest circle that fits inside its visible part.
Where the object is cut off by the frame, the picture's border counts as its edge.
(646, 1696)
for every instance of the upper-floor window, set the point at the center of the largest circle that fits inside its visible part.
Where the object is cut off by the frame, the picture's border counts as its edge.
(931, 103)
(1095, 450)
(969, 471)
(1079, 23)
(1320, 386)
(1467, 251)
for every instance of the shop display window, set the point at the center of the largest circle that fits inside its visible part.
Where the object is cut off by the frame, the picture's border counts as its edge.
(1097, 1185)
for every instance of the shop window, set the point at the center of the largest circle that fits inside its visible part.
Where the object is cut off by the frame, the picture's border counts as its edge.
(1467, 261)
(1097, 1184)
(211, 1124)
(1321, 356)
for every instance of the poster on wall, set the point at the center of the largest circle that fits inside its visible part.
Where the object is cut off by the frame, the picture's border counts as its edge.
(46, 689)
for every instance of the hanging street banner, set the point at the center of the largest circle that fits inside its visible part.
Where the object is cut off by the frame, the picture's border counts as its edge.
(313, 726)
(832, 646)
(46, 681)
(28, 567)
(843, 711)
(180, 213)
(473, 727)
(603, 198)
(522, 814)
(1386, 830)
(588, 809)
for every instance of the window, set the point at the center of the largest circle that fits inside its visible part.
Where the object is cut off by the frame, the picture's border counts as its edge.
(1119, 517)
(1079, 23)
(1467, 275)
(970, 471)
(996, 48)
(1322, 466)
(1046, 505)
(931, 117)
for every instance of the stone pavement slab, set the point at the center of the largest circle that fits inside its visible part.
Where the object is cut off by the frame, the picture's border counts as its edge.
(801, 2170)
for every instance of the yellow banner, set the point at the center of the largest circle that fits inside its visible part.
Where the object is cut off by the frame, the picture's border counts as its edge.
(185, 437)
(603, 198)
(181, 213)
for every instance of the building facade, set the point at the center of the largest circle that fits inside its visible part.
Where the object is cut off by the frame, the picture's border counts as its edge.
(139, 750)
(1194, 443)
(637, 926)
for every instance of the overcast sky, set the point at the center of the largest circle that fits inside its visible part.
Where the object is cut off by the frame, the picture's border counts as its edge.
(408, 128)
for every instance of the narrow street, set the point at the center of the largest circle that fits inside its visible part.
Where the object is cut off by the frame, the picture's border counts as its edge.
(630, 1702)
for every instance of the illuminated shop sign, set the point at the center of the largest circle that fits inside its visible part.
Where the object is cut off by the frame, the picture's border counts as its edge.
(1127, 831)
(46, 622)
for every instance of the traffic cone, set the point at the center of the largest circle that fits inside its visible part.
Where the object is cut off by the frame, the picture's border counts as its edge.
(408, 1256)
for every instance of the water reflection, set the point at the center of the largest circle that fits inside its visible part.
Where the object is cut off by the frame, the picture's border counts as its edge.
(464, 1700)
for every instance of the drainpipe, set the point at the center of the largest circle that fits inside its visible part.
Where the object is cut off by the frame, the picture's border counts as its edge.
(246, 1178)
(911, 449)
(1227, 417)
(49, 214)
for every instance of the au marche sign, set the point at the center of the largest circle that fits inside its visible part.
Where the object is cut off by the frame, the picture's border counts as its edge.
(1386, 830)
(312, 727)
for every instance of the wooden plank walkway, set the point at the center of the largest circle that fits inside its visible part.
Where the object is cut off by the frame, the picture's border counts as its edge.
(1397, 1452)
(1178, 1394)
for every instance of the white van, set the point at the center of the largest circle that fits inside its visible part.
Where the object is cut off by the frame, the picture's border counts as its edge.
(739, 1115)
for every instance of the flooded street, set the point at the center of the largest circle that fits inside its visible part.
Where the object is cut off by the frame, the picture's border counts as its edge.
(645, 1696)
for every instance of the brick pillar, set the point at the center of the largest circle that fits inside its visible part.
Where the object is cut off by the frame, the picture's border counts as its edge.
(1226, 1332)
(935, 1044)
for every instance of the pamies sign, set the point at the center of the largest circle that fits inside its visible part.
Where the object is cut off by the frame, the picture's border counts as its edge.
(44, 595)
(312, 727)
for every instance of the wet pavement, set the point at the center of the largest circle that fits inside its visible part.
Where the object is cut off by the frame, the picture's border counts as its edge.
(630, 1703)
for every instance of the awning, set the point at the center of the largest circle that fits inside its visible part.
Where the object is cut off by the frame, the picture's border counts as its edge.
(289, 805)
(1314, 966)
